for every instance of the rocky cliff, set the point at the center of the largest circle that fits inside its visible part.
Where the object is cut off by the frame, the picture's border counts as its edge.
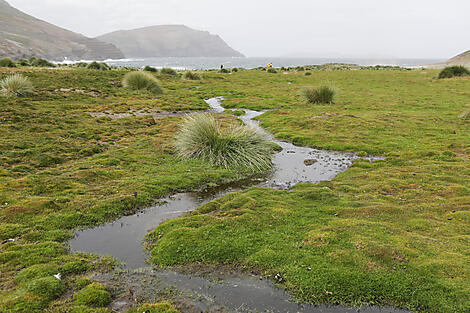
(169, 41)
(23, 36)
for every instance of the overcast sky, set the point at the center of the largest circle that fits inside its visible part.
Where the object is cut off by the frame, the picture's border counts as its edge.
(319, 28)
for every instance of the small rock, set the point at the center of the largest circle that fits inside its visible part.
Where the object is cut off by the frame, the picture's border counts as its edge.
(310, 162)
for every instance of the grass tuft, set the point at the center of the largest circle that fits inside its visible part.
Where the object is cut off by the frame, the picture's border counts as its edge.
(168, 71)
(188, 75)
(202, 137)
(323, 94)
(454, 71)
(98, 66)
(150, 69)
(142, 81)
(16, 86)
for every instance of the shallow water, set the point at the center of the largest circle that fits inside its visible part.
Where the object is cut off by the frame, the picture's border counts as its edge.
(123, 238)
(216, 293)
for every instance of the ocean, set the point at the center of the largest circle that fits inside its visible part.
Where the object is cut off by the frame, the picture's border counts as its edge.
(190, 63)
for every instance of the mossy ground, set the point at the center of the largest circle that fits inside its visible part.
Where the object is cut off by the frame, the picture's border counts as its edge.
(391, 232)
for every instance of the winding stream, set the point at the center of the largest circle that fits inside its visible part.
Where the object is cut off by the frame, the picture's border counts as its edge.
(123, 238)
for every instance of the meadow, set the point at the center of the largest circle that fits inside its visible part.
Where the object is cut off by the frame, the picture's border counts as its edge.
(394, 232)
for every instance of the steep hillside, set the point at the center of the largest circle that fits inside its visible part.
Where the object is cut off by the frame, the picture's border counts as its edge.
(169, 41)
(23, 36)
(461, 59)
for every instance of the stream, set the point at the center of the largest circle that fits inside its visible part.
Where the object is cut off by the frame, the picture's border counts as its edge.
(240, 293)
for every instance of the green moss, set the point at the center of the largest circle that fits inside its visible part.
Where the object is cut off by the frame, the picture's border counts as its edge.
(47, 287)
(76, 267)
(409, 211)
(93, 295)
(36, 271)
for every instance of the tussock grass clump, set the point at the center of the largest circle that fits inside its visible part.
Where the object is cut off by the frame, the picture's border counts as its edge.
(168, 71)
(322, 94)
(7, 62)
(98, 66)
(272, 70)
(234, 70)
(188, 75)
(224, 71)
(202, 137)
(142, 81)
(150, 69)
(16, 86)
(454, 71)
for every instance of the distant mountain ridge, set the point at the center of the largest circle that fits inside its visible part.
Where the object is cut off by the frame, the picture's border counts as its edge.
(24, 36)
(169, 41)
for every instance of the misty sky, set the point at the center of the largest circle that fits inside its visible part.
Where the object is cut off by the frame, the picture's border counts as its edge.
(318, 28)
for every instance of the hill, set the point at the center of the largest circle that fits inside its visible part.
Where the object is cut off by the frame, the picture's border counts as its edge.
(169, 41)
(461, 59)
(24, 36)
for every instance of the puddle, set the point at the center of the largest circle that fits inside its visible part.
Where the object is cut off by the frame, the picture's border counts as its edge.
(222, 293)
(123, 238)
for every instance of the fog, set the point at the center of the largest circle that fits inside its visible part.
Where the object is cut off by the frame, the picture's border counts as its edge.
(317, 28)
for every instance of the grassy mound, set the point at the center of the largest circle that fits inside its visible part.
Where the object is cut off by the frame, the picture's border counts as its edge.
(142, 81)
(150, 69)
(202, 137)
(454, 71)
(93, 295)
(168, 71)
(47, 287)
(322, 95)
(7, 62)
(98, 66)
(272, 70)
(16, 86)
(188, 75)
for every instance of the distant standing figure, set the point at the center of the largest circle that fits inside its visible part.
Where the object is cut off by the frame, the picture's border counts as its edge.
(221, 66)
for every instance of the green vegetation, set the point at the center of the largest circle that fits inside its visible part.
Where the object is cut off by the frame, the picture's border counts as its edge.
(93, 295)
(47, 287)
(38, 62)
(98, 66)
(168, 71)
(142, 81)
(454, 71)
(319, 95)
(202, 137)
(16, 86)
(6, 62)
(272, 70)
(390, 232)
(188, 75)
(150, 69)
(234, 70)
(224, 71)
